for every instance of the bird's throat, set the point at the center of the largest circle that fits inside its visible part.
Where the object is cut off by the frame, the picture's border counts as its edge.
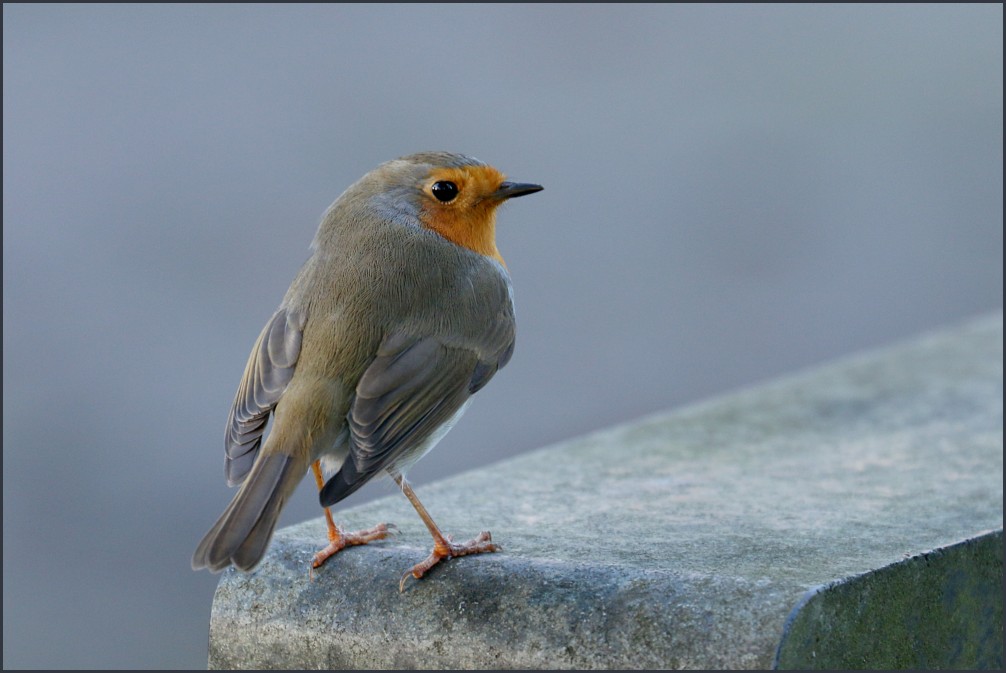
(474, 229)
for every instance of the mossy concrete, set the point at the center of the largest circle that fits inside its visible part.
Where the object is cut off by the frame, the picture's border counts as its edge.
(846, 516)
(942, 609)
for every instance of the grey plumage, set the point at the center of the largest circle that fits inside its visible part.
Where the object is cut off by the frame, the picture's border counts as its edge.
(383, 336)
(270, 368)
(241, 534)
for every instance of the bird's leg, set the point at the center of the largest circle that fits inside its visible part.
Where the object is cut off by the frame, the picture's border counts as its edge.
(339, 539)
(443, 546)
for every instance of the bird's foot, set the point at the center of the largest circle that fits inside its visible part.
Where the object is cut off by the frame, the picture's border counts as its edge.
(338, 540)
(447, 549)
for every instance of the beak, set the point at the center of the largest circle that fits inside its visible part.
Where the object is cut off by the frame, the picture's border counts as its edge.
(510, 190)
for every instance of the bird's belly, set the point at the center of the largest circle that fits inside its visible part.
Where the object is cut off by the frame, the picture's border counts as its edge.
(408, 459)
(333, 456)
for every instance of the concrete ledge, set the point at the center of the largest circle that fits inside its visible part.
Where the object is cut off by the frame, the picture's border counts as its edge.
(845, 517)
(942, 609)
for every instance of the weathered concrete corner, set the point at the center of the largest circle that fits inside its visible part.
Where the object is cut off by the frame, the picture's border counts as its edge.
(942, 609)
(845, 517)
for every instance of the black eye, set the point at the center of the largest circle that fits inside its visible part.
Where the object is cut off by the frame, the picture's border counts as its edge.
(444, 190)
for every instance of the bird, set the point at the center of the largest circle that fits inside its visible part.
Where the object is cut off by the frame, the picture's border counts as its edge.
(402, 311)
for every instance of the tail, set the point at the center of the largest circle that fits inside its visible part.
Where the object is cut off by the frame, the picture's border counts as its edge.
(243, 531)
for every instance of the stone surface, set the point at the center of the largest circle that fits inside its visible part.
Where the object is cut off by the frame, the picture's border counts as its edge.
(846, 516)
(942, 609)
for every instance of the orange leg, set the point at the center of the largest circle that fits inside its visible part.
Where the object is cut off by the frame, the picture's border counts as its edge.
(444, 546)
(339, 539)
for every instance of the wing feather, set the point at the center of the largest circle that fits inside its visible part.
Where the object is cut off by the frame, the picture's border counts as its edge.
(269, 369)
(411, 388)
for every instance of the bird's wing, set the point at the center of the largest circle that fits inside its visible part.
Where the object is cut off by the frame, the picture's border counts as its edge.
(270, 368)
(409, 390)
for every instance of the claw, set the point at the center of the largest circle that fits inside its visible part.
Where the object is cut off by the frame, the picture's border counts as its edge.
(401, 584)
(339, 540)
(448, 550)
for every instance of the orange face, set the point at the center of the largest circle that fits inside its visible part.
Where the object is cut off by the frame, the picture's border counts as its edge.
(460, 206)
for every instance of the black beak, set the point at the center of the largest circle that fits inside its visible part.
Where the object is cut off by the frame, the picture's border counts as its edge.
(510, 190)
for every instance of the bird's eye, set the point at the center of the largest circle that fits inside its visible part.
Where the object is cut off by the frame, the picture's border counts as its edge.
(444, 190)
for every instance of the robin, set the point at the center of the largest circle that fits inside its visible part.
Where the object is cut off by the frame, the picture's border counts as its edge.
(403, 311)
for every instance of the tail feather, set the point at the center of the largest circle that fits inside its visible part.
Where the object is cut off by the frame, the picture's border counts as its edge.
(243, 531)
(253, 548)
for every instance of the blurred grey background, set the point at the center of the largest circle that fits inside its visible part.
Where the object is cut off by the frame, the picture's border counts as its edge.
(732, 193)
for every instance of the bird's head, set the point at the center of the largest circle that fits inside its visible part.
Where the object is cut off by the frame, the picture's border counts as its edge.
(451, 194)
